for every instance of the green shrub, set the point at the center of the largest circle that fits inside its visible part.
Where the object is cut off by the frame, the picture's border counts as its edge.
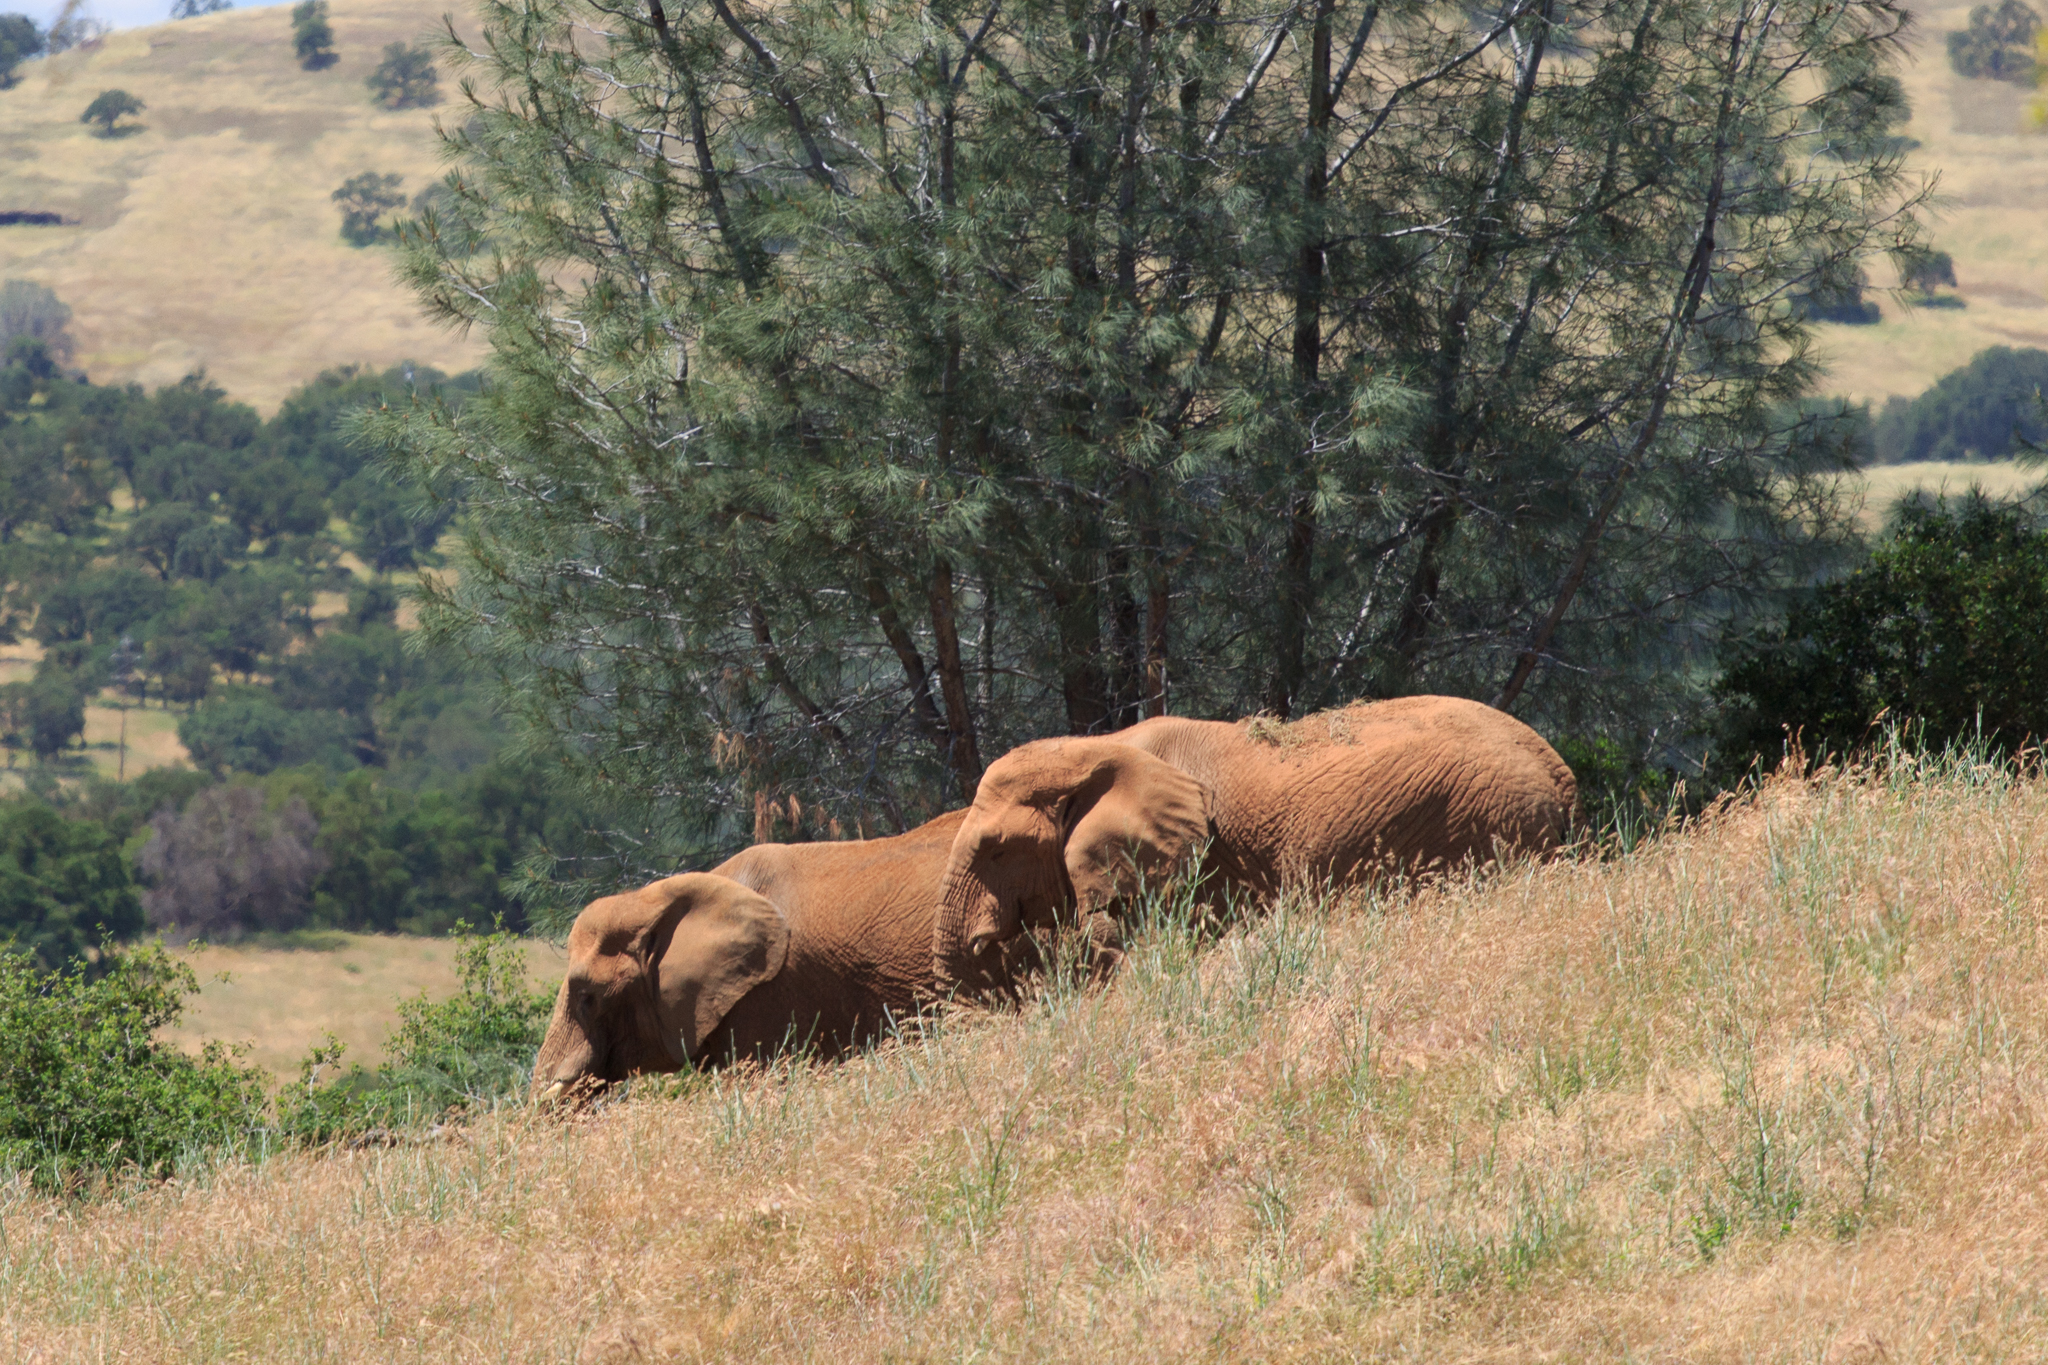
(1622, 795)
(87, 1091)
(1944, 632)
(465, 1053)
(64, 885)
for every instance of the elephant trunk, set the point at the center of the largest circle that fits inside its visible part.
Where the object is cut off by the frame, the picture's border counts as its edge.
(972, 918)
(566, 1056)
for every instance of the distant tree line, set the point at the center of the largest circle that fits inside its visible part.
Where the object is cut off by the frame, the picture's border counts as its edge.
(1989, 409)
(173, 549)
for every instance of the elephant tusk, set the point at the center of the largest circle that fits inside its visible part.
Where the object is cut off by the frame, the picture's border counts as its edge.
(978, 945)
(553, 1092)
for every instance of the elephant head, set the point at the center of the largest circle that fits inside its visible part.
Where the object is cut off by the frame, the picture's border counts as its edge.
(652, 974)
(1059, 824)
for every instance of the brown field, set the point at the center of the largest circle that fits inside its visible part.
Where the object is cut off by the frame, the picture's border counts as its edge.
(207, 238)
(283, 1000)
(1771, 1090)
(1880, 487)
(1984, 142)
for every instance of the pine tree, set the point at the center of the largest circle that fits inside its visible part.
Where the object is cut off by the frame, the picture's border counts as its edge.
(872, 390)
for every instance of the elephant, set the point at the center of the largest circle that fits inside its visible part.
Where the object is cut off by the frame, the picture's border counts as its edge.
(781, 945)
(1070, 826)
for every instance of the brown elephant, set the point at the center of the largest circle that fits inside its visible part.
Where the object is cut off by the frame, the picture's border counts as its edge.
(1413, 784)
(781, 945)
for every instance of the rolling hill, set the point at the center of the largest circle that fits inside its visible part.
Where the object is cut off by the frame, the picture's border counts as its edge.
(207, 237)
(1980, 139)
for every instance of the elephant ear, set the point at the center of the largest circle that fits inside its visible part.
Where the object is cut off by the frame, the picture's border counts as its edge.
(714, 942)
(1134, 817)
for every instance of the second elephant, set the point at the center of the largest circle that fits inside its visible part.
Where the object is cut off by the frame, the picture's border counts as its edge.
(819, 945)
(1068, 826)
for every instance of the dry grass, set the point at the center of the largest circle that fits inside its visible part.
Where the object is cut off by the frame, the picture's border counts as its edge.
(1771, 1090)
(282, 1000)
(207, 237)
(1880, 487)
(1993, 163)
(229, 180)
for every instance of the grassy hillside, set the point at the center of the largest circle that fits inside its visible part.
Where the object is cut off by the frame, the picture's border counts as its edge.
(1769, 1091)
(1980, 138)
(207, 236)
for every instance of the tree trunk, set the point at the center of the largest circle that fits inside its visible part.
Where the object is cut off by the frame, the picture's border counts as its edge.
(963, 755)
(1297, 561)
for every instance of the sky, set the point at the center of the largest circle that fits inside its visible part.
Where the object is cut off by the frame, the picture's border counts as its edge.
(116, 13)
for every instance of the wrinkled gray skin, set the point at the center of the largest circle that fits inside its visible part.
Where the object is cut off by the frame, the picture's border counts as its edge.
(858, 920)
(1416, 783)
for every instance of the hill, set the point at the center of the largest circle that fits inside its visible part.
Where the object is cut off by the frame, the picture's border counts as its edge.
(1980, 138)
(1771, 1089)
(282, 996)
(207, 237)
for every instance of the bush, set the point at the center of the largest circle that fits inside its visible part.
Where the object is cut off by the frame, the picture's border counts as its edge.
(192, 9)
(364, 200)
(1927, 271)
(64, 886)
(1984, 411)
(312, 35)
(464, 1054)
(405, 79)
(1944, 631)
(86, 1090)
(228, 864)
(1622, 795)
(1844, 304)
(1998, 45)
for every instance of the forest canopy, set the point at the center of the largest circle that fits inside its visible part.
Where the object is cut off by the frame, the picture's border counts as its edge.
(172, 555)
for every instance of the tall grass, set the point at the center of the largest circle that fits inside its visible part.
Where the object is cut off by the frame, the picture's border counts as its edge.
(1770, 1088)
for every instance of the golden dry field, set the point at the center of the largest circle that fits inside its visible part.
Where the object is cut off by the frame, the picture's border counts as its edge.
(207, 237)
(1773, 1089)
(1981, 139)
(283, 1000)
(1878, 488)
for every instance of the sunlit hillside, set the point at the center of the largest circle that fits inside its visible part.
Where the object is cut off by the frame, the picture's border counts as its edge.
(1771, 1090)
(281, 998)
(207, 237)
(1981, 138)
